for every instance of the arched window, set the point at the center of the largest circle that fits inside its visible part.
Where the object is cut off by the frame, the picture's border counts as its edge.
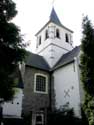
(66, 38)
(39, 40)
(46, 34)
(57, 33)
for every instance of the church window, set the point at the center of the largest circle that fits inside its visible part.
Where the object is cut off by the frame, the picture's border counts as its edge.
(39, 119)
(40, 84)
(39, 40)
(70, 39)
(57, 33)
(66, 38)
(46, 34)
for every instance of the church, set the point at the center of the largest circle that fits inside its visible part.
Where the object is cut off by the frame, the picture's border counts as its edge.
(51, 77)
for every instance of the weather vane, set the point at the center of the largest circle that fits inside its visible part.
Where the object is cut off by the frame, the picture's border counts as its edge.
(53, 3)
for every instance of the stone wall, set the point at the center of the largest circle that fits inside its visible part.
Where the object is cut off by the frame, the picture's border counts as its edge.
(34, 101)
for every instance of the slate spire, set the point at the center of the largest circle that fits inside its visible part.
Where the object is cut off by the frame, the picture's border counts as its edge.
(54, 18)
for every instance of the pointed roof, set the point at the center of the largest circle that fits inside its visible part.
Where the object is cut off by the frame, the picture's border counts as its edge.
(54, 18)
(68, 57)
(36, 61)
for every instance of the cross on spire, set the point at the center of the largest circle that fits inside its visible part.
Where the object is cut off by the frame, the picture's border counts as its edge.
(53, 1)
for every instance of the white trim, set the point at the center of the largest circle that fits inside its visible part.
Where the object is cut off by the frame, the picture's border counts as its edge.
(42, 116)
(40, 74)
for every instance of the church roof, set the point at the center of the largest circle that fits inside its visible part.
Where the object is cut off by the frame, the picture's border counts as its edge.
(36, 61)
(53, 18)
(67, 58)
(39, 62)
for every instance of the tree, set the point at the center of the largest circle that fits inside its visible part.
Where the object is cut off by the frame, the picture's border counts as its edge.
(11, 49)
(87, 68)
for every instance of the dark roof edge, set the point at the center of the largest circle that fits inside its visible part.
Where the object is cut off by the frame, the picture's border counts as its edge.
(62, 65)
(37, 68)
(67, 29)
(54, 23)
(42, 28)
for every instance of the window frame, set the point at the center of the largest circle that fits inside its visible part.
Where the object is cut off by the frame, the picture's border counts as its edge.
(66, 37)
(46, 34)
(39, 41)
(42, 116)
(46, 89)
(57, 33)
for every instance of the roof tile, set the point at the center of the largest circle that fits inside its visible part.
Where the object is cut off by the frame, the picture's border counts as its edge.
(36, 61)
(67, 58)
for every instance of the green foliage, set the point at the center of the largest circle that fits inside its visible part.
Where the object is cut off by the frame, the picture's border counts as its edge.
(87, 57)
(27, 119)
(87, 68)
(11, 48)
(64, 117)
(89, 108)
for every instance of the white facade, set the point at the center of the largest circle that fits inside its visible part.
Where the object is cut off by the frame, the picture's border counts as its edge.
(53, 48)
(14, 107)
(67, 89)
(66, 78)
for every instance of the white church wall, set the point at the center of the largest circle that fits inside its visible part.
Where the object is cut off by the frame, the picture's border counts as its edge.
(53, 48)
(59, 42)
(62, 41)
(47, 56)
(14, 107)
(67, 87)
(44, 42)
(42, 46)
(57, 53)
(52, 54)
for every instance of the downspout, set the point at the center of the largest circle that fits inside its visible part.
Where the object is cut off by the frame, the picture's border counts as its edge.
(52, 92)
(78, 73)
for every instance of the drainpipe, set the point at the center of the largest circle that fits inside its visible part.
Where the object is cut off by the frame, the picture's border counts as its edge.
(79, 81)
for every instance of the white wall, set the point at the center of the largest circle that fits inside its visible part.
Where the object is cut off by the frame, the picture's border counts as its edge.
(52, 54)
(14, 107)
(61, 42)
(59, 46)
(66, 80)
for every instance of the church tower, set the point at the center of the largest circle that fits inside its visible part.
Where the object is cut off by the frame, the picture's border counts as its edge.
(53, 40)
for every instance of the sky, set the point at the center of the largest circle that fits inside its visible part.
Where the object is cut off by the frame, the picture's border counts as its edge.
(33, 14)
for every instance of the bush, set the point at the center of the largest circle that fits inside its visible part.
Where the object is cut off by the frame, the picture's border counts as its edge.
(64, 117)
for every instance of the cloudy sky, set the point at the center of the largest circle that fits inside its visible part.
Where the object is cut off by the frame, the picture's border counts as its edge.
(33, 14)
